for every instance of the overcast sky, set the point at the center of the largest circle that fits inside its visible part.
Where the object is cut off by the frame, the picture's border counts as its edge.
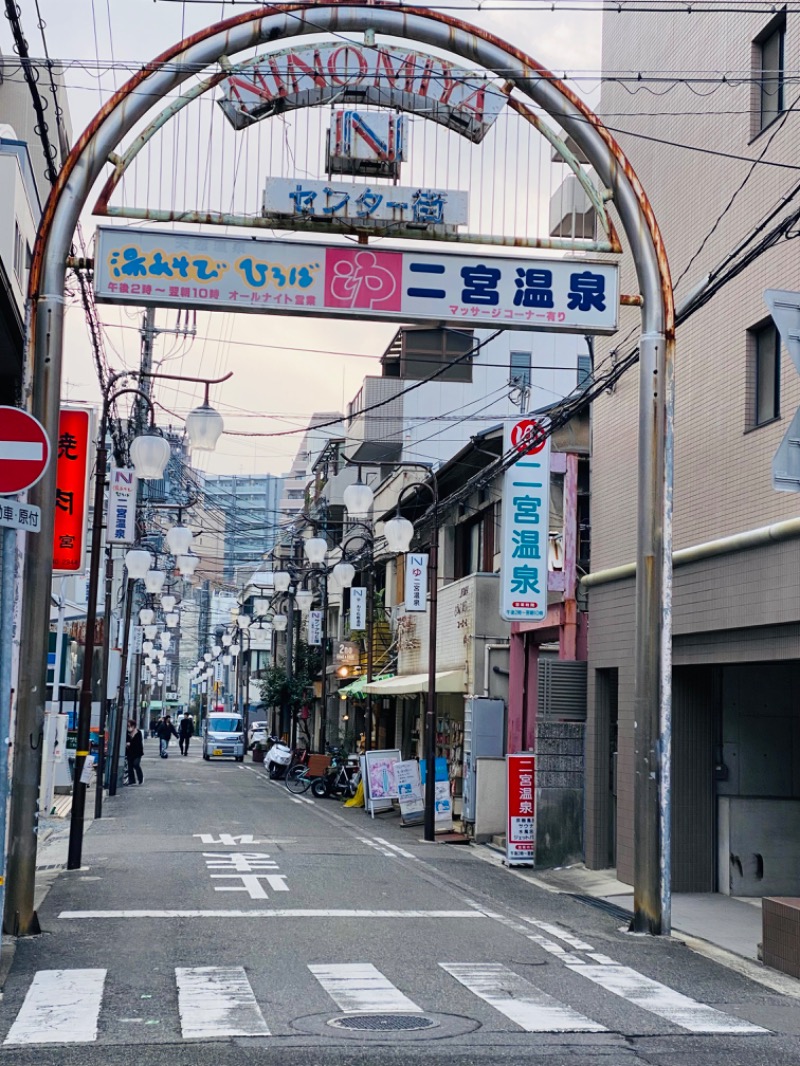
(304, 370)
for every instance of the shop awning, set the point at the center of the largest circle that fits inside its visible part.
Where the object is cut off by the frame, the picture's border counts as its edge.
(358, 688)
(408, 684)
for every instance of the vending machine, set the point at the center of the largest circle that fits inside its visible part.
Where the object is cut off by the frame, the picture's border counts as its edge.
(484, 737)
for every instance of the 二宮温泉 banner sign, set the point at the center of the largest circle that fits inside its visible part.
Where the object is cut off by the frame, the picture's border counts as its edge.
(524, 536)
(350, 281)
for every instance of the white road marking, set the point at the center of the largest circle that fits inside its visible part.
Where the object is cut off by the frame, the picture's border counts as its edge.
(251, 884)
(554, 949)
(227, 839)
(519, 1000)
(360, 988)
(22, 450)
(394, 847)
(377, 847)
(217, 1001)
(276, 913)
(61, 1007)
(560, 934)
(658, 999)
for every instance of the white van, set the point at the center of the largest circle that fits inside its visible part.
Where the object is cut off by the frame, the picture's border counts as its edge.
(223, 736)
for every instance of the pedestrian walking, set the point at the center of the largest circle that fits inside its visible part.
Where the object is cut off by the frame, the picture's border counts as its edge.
(185, 732)
(134, 750)
(164, 731)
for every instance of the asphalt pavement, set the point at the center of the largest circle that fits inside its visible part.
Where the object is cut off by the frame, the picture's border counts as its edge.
(218, 919)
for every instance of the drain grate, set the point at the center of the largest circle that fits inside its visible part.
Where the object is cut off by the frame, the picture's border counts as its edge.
(604, 905)
(383, 1023)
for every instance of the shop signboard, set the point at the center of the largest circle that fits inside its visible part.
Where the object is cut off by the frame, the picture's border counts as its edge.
(72, 489)
(521, 810)
(524, 537)
(215, 273)
(416, 582)
(409, 792)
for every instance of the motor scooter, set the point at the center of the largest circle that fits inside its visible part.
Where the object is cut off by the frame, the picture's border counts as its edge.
(277, 758)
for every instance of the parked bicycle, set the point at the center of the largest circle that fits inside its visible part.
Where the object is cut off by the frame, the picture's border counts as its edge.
(341, 779)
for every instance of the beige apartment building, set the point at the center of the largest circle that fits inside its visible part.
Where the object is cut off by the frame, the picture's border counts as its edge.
(716, 89)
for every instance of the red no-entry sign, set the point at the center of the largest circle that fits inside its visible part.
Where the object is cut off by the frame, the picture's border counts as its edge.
(24, 450)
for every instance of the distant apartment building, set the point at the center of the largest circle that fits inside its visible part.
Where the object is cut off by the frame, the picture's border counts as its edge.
(246, 511)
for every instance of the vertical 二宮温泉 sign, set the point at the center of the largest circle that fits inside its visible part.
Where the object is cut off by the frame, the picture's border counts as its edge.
(73, 453)
(525, 523)
(521, 818)
(416, 582)
(121, 526)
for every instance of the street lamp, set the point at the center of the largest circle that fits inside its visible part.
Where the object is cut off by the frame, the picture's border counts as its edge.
(398, 531)
(279, 623)
(137, 562)
(304, 598)
(179, 539)
(154, 580)
(204, 427)
(344, 573)
(187, 564)
(282, 579)
(316, 548)
(149, 454)
(168, 603)
(147, 614)
(358, 498)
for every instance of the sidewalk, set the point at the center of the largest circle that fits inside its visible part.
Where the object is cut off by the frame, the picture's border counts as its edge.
(728, 922)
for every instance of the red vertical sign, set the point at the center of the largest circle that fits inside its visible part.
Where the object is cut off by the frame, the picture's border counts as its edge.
(521, 819)
(72, 489)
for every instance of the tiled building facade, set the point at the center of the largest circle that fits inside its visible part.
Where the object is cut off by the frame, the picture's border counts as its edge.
(736, 700)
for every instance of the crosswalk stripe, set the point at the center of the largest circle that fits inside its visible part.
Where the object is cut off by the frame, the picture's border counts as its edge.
(665, 1002)
(61, 1007)
(217, 1001)
(360, 988)
(519, 1000)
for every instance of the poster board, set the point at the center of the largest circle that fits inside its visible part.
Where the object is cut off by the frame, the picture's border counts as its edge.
(380, 786)
(409, 792)
(443, 802)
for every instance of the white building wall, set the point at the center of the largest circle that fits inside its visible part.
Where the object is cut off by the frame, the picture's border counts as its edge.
(466, 408)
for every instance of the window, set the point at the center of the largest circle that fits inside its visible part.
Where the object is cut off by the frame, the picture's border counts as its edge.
(769, 57)
(767, 374)
(520, 369)
(584, 369)
(474, 544)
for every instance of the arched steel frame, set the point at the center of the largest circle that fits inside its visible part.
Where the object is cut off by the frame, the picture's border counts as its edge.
(96, 147)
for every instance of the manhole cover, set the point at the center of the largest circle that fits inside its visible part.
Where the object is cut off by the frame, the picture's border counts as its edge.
(383, 1023)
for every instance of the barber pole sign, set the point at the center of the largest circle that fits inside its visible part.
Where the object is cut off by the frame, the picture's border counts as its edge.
(416, 582)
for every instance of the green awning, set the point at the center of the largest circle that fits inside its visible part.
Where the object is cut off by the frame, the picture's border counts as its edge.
(357, 689)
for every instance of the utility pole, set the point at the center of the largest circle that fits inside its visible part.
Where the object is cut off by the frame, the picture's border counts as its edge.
(123, 669)
(104, 701)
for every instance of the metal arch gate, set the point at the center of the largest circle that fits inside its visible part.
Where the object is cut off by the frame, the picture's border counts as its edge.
(95, 148)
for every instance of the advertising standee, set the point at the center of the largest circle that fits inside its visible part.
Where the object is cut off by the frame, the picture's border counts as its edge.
(521, 810)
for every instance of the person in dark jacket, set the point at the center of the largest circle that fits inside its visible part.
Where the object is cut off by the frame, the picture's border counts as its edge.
(185, 732)
(164, 731)
(134, 750)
